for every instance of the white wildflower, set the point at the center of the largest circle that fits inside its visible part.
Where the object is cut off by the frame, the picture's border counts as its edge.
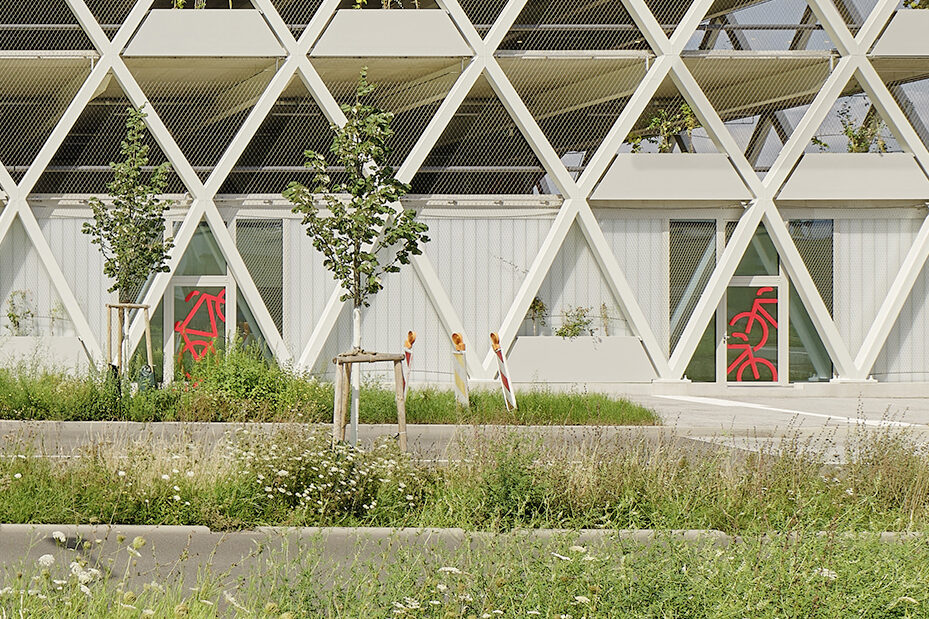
(825, 573)
(578, 549)
(441, 587)
(85, 590)
(121, 473)
(59, 537)
(18, 476)
(582, 599)
(46, 560)
(450, 570)
(166, 477)
(148, 612)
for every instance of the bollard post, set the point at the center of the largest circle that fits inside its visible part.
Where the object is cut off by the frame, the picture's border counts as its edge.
(407, 360)
(461, 371)
(509, 397)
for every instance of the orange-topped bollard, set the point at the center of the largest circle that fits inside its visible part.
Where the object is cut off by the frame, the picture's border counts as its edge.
(509, 397)
(460, 367)
(407, 360)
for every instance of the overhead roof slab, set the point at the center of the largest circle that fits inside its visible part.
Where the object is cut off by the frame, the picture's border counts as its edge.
(856, 177)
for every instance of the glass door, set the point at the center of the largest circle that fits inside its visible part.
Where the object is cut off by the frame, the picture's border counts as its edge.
(195, 322)
(753, 348)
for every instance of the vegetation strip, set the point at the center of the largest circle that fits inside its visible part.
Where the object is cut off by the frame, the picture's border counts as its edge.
(290, 477)
(800, 576)
(240, 385)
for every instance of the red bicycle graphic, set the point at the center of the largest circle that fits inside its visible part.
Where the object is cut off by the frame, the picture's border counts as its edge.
(199, 342)
(757, 315)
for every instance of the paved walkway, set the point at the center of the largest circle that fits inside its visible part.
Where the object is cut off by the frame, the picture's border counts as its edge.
(746, 423)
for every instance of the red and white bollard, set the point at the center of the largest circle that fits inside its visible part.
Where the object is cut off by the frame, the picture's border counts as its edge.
(509, 396)
(407, 359)
(461, 371)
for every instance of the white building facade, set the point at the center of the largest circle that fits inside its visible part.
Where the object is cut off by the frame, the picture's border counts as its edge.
(712, 193)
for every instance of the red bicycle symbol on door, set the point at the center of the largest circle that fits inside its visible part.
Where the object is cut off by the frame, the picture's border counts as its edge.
(199, 342)
(757, 315)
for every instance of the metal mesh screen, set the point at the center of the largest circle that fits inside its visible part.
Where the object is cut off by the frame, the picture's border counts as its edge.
(662, 126)
(692, 259)
(575, 101)
(760, 25)
(855, 12)
(411, 89)
(275, 155)
(203, 114)
(853, 125)
(82, 163)
(34, 94)
(481, 151)
(565, 24)
(296, 13)
(668, 13)
(261, 244)
(483, 13)
(110, 14)
(48, 25)
(910, 88)
(813, 238)
(757, 98)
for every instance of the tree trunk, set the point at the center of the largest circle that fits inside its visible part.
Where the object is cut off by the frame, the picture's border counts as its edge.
(356, 375)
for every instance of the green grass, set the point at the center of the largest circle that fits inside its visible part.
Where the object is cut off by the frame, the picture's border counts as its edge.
(808, 576)
(240, 385)
(294, 477)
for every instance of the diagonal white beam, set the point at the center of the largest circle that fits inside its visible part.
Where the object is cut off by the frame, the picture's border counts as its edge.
(688, 25)
(890, 309)
(470, 34)
(808, 125)
(534, 277)
(621, 289)
(715, 288)
(603, 157)
(803, 283)
(502, 26)
(835, 26)
(648, 26)
(875, 23)
(714, 125)
(530, 129)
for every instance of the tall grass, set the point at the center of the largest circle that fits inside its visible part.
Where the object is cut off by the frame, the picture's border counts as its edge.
(240, 384)
(806, 576)
(294, 477)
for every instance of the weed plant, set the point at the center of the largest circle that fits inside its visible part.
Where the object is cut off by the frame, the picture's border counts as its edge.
(241, 384)
(292, 476)
(796, 576)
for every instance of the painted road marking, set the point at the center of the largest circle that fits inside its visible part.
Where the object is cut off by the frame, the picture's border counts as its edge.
(736, 404)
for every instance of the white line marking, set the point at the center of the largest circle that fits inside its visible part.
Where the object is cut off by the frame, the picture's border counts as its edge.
(736, 404)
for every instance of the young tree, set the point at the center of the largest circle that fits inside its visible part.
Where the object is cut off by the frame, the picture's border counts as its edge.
(131, 232)
(360, 234)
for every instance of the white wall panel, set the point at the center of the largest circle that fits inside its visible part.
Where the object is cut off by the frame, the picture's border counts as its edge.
(575, 280)
(905, 356)
(22, 270)
(640, 245)
(82, 265)
(868, 254)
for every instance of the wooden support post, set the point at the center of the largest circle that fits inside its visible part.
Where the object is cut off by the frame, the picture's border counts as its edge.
(148, 339)
(346, 398)
(109, 335)
(337, 404)
(119, 340)
(401, 403)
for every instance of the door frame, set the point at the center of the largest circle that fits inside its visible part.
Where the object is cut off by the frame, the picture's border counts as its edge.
(170, 342)
(781, 285)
